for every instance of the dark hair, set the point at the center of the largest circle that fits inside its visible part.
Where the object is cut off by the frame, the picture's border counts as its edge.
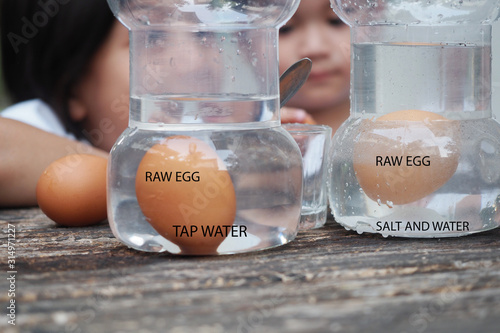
(47, 46)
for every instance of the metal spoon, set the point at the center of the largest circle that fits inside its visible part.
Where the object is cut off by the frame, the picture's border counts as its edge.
(293, 78)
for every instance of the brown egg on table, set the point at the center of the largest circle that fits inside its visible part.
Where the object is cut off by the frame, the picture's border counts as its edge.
(186, 193)
(403, 156)
(72, 190)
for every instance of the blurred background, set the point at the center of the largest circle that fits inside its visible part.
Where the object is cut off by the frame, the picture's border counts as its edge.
(496, 70)
(4, 101)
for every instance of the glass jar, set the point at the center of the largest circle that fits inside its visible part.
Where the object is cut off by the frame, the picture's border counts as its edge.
(204, 167)
(419, 155)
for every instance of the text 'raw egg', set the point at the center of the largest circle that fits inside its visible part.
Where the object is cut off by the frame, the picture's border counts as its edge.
(405, 155)
(182, 184)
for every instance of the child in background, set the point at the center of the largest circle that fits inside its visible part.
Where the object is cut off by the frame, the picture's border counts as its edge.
(316, 32)
(66, 67)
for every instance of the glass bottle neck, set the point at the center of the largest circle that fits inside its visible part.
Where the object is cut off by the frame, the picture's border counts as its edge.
(198, 77)
(442, 69)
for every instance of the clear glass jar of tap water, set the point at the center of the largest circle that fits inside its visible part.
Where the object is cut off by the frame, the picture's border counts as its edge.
(420, 154)
(204, 166)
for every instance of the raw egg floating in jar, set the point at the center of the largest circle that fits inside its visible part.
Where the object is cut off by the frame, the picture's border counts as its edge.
(186, 193)
(404, 156)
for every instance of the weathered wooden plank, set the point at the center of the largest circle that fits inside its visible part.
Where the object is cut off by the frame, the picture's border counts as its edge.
(327, 280)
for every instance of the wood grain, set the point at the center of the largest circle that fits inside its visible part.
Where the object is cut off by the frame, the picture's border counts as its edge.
(327, 280)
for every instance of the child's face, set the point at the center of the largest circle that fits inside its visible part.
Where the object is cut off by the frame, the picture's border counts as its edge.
(316, 32)
(102, 98)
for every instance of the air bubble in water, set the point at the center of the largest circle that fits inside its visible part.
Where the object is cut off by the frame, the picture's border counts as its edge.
(144, 19)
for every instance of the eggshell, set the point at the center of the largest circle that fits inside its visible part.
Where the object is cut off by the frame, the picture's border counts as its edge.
(72, 190)
(409, 135)
(181, 184)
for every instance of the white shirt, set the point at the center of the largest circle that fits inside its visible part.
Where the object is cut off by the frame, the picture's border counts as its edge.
(37, 114)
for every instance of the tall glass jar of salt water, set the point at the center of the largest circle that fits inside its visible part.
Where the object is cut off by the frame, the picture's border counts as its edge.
(420, 154)
(204, 167)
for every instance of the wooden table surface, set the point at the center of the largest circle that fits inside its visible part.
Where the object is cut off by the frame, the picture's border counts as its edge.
(327, 280)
